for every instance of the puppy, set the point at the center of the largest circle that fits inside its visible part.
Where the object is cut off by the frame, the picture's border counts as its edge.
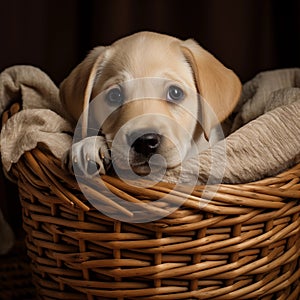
(147, 96)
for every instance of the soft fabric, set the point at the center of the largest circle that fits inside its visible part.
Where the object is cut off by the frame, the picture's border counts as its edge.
(270, 141)
(265, 92)
(261, 148)
(41, 119)
(265, 134)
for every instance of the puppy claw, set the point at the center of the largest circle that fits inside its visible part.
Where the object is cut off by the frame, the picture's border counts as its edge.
(90, 157)
(93, 168)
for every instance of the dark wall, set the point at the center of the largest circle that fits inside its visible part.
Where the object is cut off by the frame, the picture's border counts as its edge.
(246, 35)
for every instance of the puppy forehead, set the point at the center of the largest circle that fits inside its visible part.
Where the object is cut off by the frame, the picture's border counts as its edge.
(149, 54)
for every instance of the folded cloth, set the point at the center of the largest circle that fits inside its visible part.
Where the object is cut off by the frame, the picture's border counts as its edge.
(265, 138)
(266, 91)
(42, 119)
(263, 147)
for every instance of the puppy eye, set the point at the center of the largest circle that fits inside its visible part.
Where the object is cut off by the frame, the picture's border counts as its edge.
(115, 96)
(175, 93)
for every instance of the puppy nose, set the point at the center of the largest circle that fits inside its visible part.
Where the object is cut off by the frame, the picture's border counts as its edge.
(146, 143)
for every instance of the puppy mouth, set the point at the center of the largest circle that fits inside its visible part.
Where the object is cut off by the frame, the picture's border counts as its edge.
(144, 152)
(144, 169)
(138, 163)
(142, 164)
(141, 168)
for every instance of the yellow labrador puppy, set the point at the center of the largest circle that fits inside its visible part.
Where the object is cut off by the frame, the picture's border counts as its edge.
(148, 94)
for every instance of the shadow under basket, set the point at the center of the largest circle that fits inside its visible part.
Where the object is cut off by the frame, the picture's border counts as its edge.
(15, 275)
(243, 244)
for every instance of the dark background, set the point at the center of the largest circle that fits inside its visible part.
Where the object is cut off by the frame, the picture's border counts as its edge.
(248, 36)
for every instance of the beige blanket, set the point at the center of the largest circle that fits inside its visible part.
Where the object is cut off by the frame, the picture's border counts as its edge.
(42, 117)
(265, 138)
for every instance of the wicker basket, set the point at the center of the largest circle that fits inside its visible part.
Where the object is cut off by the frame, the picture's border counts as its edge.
(244, 244)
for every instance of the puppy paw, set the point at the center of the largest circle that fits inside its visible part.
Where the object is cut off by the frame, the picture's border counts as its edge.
(89, 156)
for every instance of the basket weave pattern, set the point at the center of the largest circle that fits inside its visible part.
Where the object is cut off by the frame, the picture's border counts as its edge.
(243, 244)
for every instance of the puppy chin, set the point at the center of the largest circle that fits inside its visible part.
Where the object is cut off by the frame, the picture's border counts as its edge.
(145, 168)
(156, 164)
(138, 168)
(142, 170)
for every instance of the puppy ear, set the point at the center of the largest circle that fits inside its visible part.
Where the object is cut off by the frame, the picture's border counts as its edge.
(76, 89)
(218, 86)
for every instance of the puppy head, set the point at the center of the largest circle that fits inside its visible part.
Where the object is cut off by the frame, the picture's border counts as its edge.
(146, 87)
